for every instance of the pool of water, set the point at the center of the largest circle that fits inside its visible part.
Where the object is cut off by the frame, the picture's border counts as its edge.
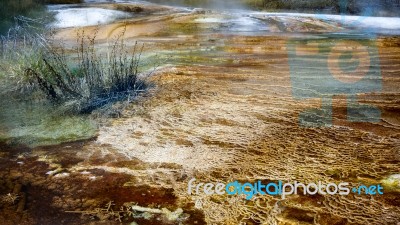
(239, 20)
(72, 16)
(41, 123)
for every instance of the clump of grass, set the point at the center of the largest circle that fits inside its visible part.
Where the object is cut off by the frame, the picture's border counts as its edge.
(19, 48)
(85, 79)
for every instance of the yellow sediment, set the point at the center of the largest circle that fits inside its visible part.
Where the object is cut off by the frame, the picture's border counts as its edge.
(238, 120)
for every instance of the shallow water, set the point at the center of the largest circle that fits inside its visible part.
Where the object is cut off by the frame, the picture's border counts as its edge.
(238, 20)
(40, 124)
(227, 106)
(367, 24)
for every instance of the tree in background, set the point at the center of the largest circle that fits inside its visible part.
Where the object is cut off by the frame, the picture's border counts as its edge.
(9, 9)
(358, 7)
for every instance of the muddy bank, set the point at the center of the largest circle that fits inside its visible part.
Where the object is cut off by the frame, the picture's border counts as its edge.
(54, 185)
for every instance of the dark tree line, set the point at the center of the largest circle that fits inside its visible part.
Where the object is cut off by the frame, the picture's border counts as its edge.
(359, 7)
(9, 9)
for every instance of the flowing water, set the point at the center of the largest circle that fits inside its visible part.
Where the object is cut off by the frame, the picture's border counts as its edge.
(230, 103)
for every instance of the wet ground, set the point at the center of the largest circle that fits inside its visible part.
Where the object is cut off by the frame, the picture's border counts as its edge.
(227, 104)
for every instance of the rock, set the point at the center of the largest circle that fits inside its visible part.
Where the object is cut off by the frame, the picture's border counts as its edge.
(392, 182)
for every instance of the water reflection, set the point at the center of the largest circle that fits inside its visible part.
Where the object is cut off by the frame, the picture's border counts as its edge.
(40, 123)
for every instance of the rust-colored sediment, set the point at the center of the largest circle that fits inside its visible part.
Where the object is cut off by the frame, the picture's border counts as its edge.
(232, 118)
(238, 121)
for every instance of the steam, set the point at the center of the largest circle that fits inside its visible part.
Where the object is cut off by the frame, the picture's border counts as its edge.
(381, 8)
